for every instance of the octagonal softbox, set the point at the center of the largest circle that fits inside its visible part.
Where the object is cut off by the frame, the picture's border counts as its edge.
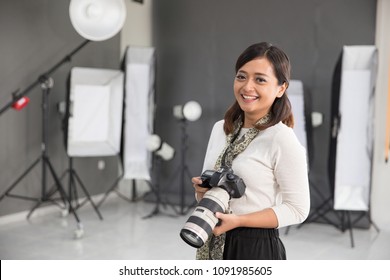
(95, 106)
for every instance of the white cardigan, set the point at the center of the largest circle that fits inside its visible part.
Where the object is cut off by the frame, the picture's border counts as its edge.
(274, 169)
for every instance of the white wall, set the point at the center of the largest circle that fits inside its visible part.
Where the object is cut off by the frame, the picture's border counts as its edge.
(137, 30)
(380, 198)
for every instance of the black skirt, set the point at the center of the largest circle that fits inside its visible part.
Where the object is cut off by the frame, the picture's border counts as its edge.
(253, 244)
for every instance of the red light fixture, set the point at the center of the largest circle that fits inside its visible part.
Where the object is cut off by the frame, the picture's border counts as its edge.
(21, 103)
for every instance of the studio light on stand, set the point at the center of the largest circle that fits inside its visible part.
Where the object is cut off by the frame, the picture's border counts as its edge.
(191, 111)
(93, 120)
(94, 20)
(161, 151)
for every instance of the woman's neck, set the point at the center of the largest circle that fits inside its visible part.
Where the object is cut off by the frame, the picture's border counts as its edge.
(251, 121)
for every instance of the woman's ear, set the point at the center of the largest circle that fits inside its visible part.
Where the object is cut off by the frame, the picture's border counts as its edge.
(282, 89)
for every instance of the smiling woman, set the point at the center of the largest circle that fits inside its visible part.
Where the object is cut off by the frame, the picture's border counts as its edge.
(256, 88)
(256, 140)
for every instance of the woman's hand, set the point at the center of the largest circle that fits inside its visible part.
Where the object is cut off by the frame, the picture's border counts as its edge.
(199, 191)
(227, 222)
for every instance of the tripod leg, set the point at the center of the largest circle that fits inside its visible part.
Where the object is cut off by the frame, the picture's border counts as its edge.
(110, 190)
(193, 204)
(20, 178)
(374, 225)
(73, 195)
(87, 194)
(156, 209)
(348, 214)
(79, 231)
(36, 206)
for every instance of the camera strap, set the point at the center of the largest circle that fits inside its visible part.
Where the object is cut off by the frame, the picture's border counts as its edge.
(236, 145)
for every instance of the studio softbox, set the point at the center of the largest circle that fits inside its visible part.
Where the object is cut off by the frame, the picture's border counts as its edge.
(297, 99)
(95, 106)
(301, 107)
(352, 115)
(139, 66)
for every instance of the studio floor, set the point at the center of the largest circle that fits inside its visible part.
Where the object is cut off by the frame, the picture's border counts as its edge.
(126, 233)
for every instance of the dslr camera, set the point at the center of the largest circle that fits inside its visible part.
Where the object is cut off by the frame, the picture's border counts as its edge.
(224, 185)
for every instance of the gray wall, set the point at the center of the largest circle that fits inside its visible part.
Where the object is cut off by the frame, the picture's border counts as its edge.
(35, 35)
(198, 42)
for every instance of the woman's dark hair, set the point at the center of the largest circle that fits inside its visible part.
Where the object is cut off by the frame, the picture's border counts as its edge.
(281, 108)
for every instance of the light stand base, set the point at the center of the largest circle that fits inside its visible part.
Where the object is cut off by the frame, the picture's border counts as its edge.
(73, 181)
(112, 188)
(155, 189)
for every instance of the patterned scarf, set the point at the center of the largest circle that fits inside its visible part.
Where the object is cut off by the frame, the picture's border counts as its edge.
(213, 247)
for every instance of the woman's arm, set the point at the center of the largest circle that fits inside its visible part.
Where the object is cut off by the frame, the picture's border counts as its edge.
(262, 219)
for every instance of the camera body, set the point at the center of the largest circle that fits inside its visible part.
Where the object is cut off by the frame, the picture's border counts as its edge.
(225, 179)
(223, 185)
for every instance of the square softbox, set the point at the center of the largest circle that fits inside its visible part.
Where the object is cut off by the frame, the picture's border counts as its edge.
(95, 107)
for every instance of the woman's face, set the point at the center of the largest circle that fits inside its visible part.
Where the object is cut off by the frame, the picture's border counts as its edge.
(255, 89)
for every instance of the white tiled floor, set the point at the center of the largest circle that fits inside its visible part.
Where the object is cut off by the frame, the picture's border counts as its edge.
(124, 233)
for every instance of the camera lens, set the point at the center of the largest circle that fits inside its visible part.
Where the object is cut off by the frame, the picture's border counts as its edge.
(201, 223)
(191, 238)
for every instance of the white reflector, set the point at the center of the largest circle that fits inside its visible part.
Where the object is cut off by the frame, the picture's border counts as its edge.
(97, 20)
(96, 105)
(139, 111)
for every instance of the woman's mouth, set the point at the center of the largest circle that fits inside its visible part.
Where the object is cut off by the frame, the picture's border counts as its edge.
(249, 97)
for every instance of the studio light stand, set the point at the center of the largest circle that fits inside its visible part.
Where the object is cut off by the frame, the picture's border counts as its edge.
(46, 83)
(184, 170)
(191, 111)
(112, 188)
(73, 180)
(161, 151)
(155, 187)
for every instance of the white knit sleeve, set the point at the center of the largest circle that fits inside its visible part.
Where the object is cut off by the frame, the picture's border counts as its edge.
(291, 175)
(215, 145)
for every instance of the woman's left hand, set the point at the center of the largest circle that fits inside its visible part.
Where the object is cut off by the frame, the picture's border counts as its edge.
(227, 222)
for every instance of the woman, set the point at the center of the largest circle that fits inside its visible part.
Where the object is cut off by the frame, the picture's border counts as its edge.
(256, 140)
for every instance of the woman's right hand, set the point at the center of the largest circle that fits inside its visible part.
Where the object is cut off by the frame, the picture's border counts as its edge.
(199, 191)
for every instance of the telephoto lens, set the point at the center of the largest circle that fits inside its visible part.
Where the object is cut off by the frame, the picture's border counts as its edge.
(223, 185)
(201, 223)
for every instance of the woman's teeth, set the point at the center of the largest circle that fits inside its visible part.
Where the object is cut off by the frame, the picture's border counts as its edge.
(248, 97)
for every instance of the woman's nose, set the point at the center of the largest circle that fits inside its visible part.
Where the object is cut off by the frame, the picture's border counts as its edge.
(249, 85)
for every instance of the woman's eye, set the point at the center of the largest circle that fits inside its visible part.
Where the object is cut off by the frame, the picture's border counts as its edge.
(240, 77)
(260, 80)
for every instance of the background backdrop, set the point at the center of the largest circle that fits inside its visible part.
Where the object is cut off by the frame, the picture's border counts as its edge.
(197, 43)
